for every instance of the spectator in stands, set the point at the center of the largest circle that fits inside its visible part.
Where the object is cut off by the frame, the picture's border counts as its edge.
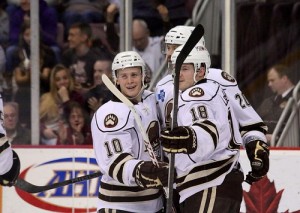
(22, 72)
(84, 11)
(15, 133)
(77, 131)
(178, 12)
(4, 27)
(272, 107)
(148, 76)
(5, 81)
(2, 59)
(99, 94)
(48, 27)
(154, 13)
(55, 104)
(80, 57)
(149, 48)
(157, 26)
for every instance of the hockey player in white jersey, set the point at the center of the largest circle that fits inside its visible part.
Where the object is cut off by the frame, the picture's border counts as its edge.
(252, 127)
(206, 141)
(164, 88)
(9, 160)
(130, 181)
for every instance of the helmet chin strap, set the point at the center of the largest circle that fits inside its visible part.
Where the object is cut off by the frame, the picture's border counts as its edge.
(194, 77)
(142, 89)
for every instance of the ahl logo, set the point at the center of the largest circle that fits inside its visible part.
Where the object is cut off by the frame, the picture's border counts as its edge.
(196, 92)
(227, 77)
(110, 121)
(68, 198)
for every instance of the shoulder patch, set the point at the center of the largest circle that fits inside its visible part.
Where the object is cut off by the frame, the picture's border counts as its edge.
(110, 121)
(161, 95)
(227, 77)
(196, 92)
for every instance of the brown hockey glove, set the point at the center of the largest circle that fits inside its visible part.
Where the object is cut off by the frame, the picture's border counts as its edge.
(10, 178)
(147, 175)
(181, 139)
(258, 154)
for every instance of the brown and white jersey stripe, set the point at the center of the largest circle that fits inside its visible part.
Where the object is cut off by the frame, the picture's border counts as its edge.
(206, 108)
(119, 147)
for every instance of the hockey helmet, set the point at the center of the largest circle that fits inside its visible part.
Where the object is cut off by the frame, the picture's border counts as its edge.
(180, 34)
(197, 56)
(127, 59)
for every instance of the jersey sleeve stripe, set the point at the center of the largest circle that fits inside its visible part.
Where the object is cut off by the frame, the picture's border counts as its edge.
(204, 174)
(261, 127)
(4, 146)
(117, 193)
(211, 129)
(116, 168)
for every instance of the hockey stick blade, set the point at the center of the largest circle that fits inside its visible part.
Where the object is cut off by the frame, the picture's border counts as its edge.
(194, 38)
(30, 188)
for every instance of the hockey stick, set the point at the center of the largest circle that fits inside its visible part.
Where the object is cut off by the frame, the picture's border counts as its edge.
(194, 38)
(30, 188)
(137, 118)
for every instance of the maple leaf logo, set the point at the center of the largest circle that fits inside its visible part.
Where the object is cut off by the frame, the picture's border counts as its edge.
(263, 198)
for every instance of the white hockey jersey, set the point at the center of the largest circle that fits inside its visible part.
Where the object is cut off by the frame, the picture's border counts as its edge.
(6, 155)
(207, 109)
(164, 96)
(119, 147)
(251, 125)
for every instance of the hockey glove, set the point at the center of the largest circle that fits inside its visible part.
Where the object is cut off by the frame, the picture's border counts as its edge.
(10, 178)
(181, 139)
(258, 154)
(147, 175)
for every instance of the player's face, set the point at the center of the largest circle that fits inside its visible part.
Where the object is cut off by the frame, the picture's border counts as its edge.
(275, 82)
(170, 48)
(130, 81)
(61, 79)
(186, 78)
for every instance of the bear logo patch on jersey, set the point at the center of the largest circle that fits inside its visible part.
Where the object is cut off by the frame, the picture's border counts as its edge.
(110, 121)
(227, 77)
(196, 92)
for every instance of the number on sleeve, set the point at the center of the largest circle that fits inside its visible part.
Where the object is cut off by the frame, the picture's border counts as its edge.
(198, 113)
(242, 100)
(113, 147)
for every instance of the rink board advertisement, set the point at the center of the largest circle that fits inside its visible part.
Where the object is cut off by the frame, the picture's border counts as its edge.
(278, 192)
(42, 166)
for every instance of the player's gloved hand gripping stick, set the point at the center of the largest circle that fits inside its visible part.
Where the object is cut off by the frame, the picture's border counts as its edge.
(143, 178)
(194, 38)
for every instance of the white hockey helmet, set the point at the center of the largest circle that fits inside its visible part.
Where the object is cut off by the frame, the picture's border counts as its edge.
(199, 55)
(127, 59)
(180, 34)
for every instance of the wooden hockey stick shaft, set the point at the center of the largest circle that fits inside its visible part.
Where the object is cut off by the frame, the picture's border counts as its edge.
(138, 120)
(30, 188)
(194, 38)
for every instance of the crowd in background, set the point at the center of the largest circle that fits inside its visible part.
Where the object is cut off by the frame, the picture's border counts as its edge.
(78, 41)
